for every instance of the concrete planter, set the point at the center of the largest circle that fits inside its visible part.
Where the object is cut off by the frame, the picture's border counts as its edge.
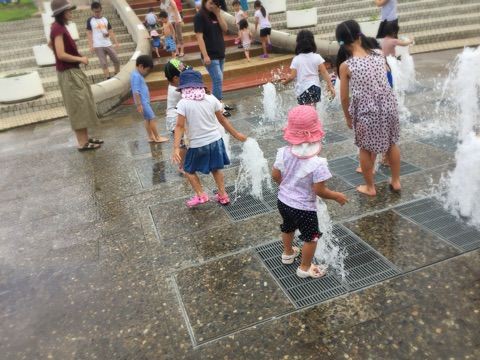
(275, 6)
(43, 55)
(370, 28)
(301, 18)
(20, 87)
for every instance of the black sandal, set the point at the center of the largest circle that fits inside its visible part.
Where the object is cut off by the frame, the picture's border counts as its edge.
(95, 141)
(89, 146)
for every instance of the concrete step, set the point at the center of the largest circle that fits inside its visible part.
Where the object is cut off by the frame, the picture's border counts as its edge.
(192, 46)
(29, 62)
(232, 70)
(187, 19)
(185, 11)
(16, 120)
(193, 59)
(50, 100)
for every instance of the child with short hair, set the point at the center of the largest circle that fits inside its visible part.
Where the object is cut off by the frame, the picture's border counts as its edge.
(156, 42)
(169, 34)
(239, 16)
(201, 113)
(391, 41)
(141, 96)
(100, 36)
(261, 19)
(372, 110)
(301, 175)
(246, 37)
(305, 68)
(151, 20)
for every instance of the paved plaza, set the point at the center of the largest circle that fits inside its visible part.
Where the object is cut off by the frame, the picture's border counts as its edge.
(101, 259)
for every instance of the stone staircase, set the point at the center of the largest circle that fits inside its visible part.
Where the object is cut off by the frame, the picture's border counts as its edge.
(238, 73)
(435, 24)
(16, 55)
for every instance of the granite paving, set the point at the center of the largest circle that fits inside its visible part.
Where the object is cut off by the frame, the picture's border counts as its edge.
(101, 259)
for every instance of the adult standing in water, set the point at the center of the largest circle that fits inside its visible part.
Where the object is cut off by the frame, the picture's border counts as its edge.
(174, 17)
(76, 92)
(209, 27)
(389, 15)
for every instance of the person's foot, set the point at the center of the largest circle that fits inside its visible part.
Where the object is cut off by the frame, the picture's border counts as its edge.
(365, 190)
(264, 56)
(181, 54)
(228, 107)
(222, 199)
(89, 146)
(315, 271)
(227, 114)
(359, 170)
(197, 200)
(161, 139)
(395, 186)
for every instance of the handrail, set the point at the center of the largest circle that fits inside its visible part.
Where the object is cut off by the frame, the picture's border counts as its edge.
(110, 93)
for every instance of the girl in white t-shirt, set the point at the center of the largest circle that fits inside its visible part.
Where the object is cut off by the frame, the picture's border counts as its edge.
(261, 19)
(202, 114)
(305, 68)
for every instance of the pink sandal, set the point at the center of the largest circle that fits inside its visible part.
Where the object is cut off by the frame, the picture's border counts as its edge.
(223, 200)
(197, 200)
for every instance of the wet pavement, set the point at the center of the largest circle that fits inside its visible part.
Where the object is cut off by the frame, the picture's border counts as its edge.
(100, 258)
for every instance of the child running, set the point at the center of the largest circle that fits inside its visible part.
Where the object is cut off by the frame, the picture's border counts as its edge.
(245, 37)
(261, 19)
(372, 110)
(169, 33)
(301, 176)
(200, 114)
(141, 97)
(391, 41)
(305, 68)
(239, 16)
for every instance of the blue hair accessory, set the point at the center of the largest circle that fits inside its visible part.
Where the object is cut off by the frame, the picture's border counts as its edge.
(341, 43)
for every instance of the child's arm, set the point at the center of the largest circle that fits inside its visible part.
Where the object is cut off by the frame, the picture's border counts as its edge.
(344, 92)
(229, 127)
(114, 38)
(324, 192)
(276, 176)
(290, 77)
(90, 40)
(256, 23)
(405, 42)
(326, 77)
(179, 131)
(138, 101)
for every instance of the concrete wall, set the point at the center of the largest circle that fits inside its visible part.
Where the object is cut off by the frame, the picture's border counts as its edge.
(110, 93)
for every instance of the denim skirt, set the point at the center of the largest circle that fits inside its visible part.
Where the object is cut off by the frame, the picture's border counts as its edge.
(207, 158)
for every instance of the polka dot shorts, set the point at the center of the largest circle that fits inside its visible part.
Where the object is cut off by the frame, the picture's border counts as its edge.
(305, 221)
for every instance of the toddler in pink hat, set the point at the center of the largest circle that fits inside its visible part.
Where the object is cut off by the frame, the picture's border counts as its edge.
(301, 175)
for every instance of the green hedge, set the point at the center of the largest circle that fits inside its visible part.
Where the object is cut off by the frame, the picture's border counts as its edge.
(19, 11)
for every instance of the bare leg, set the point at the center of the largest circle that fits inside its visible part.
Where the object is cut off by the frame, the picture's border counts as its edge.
(287, 239)
(264, 45)
(149, 131)
(220, 181)
(158, 54)
(247, 55)
(153, 128)
(106, 72)
(195, 182)
(367, 166)
(174, 55)
(308, 251)
(393, 155)
(359, 168)
(82, 137)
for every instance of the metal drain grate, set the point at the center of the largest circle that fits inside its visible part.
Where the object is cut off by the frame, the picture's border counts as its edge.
(345, 168)
(365, 267)
(430, 214)
(446, 142)
(244, 206)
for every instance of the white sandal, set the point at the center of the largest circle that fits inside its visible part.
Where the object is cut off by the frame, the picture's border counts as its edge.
(290, 259)
(315, 271)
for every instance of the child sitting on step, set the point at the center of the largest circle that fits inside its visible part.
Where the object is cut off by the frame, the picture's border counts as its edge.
(201, 113)
(301, 175)
(169, 33)
(245, 37)
(305, 68)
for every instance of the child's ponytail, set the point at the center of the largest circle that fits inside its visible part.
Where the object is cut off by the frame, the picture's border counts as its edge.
(258, 4)
(347, 33)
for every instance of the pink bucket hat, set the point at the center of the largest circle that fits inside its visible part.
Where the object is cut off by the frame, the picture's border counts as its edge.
(303, 126)
(154, 33)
